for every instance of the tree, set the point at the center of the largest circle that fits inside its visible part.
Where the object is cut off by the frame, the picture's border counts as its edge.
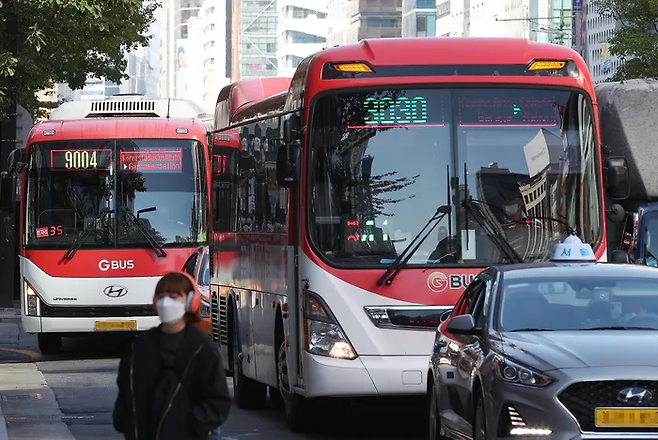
(43, 42)
(637, 40)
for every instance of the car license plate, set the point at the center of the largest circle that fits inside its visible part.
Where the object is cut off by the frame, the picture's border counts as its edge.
(116, 325)
(626, 417)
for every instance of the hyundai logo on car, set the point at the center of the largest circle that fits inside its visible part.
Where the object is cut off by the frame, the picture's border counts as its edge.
(115, 291)
(634, 395)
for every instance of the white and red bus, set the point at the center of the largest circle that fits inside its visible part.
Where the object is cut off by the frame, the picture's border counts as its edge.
(113, 194)
(371, 192)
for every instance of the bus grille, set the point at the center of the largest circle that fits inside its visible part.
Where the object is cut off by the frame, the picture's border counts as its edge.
(98, 311)
(223, 321)
(214, 316)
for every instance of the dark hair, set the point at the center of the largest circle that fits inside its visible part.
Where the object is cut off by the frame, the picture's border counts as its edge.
(177, 282)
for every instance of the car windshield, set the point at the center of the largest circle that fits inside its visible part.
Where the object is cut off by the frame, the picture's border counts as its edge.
(383, 161)
(579, 303)
(160, 183)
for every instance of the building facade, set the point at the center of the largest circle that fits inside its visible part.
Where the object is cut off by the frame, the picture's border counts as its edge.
(303, 30)
(596, 33)
(351, 21)
(419, 18)
(258, 38)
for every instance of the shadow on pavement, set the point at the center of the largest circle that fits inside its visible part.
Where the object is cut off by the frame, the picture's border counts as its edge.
(95, 346)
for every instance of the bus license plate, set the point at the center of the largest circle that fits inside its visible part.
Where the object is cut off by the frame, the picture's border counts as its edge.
(626, 417)
(116, 325)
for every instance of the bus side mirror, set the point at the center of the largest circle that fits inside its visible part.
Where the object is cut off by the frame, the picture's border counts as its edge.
(618, 178)
(289, 156)
(7, 192)
(292, 126)
(288, 165)
(16, 161)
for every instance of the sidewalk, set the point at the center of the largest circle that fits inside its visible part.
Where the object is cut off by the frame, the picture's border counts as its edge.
(24, 393)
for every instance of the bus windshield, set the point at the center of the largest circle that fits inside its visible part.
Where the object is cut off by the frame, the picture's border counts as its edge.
(113, 193)
(383, 161)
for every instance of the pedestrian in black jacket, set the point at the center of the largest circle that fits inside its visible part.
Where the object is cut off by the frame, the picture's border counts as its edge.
(172, 383)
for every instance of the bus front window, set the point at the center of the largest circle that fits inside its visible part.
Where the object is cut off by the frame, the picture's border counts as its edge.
(116, 193)
(382, 162)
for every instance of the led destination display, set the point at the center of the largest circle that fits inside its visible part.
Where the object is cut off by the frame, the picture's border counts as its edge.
(152, 161)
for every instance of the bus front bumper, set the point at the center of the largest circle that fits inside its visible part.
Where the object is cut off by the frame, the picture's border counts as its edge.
(365, 376)
(39, 324)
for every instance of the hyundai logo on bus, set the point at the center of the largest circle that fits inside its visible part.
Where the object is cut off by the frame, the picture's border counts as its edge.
(106, 265)
(438, 281)
(115, 291)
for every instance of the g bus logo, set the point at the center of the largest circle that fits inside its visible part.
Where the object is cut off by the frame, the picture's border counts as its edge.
(437, 282)
(105, 265)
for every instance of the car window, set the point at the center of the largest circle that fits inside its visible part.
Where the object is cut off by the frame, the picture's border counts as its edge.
(204, 272)
(578, 303)
(190, 265)
(465, 303)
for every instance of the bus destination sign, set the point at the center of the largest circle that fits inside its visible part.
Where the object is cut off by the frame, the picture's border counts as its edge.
(506, 111)
(81, 159)
(152, 161)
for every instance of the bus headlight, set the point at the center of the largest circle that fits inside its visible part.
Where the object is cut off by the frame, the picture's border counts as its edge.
(322, 333)
(31, 300)
(204, 309)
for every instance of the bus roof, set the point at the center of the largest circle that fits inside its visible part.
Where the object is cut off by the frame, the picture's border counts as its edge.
(447, 51)
(240, 93)
(128, 106)
(117, 128)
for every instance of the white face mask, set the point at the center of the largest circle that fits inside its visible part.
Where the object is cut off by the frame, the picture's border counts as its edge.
(511, 209)
(170, 310)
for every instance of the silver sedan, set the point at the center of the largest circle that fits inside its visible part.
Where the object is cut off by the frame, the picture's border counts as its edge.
(549, 351)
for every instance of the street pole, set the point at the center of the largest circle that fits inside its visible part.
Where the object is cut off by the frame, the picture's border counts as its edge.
(8, 142)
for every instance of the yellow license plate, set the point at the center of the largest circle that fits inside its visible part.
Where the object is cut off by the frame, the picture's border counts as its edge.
(116, 325)
(626, 417)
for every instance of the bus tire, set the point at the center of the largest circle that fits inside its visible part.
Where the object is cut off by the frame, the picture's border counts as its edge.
(49, 343)
(298, 409)
(248, 393)
(276, 398)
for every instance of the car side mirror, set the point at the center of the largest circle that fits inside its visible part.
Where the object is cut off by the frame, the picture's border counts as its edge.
(618, 178)
(619, 257)
(462, 325)
(445, 315)
(7, 192)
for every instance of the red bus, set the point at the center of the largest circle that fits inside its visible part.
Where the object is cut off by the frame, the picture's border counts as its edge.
(113, 194)
(394, 171)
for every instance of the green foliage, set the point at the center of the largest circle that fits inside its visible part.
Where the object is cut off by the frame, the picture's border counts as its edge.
(43, 42)
(637, 40)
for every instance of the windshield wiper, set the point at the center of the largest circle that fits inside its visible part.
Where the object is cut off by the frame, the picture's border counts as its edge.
(496, 236)
(142, 229)
(531, 330)
(82, 237)
(400, 261)
(618, 327)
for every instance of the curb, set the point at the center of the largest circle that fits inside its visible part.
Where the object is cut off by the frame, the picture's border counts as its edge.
(3, 426)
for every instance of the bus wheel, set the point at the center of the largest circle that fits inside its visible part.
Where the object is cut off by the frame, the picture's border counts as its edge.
(298, 409)
(49, 343)
(248, 393)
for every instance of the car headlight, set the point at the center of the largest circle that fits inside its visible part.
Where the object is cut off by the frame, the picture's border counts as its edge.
(515, 373)
(204, 309)
(322, 333)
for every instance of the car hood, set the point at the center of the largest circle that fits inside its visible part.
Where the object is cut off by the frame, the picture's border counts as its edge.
(578, 349)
